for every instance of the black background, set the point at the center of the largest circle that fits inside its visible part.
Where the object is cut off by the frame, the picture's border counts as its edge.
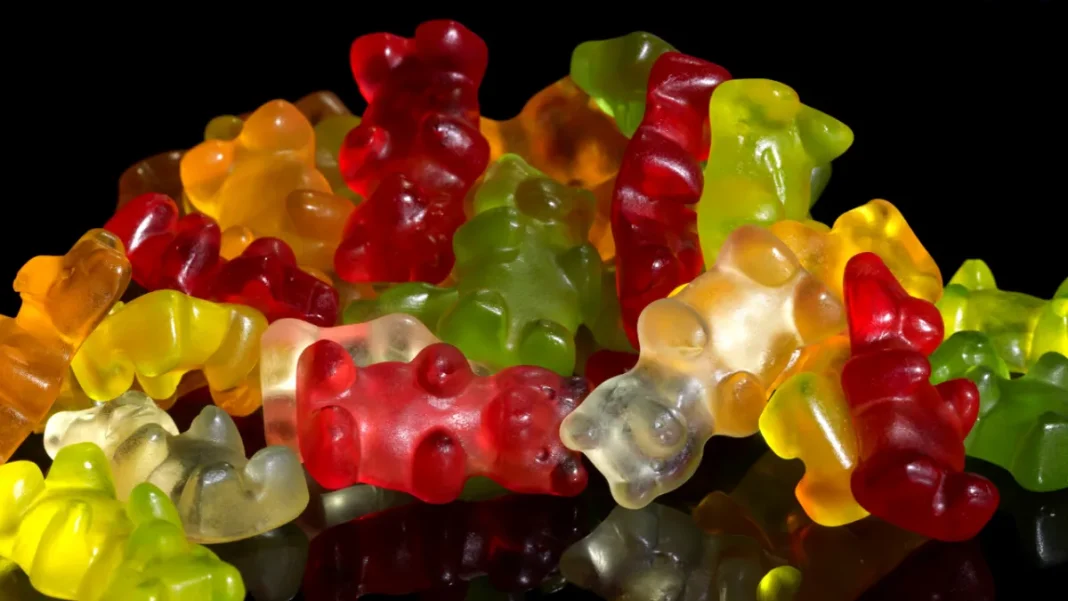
(958, 117)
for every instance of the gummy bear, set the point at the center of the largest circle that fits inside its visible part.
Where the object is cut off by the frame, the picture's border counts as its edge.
(161, 336)
(940, 572)
(220, 495)
(808, 418)
(243, 183)
(658, 553)
(76, 541)
(838, 563)
(874, 227)
(910, 433)
(525, 276)
(158, 173)
(183, 254)
(63, 300)
(271, 564)
(765, 147)
(415, 154)
(424, 427)
(437, 550)
(653, 221)
(1022, 327)
(708, 356)
(615, 73)
(1023, 422)
(395, 337)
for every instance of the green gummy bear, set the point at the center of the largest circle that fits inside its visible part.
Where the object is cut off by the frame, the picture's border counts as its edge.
(1022, 327)
(525, 277)
(329, 135)
(770, 158)
(615, 73)
(1023, 422)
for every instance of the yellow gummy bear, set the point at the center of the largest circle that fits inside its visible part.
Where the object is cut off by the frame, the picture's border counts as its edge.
(76, 541)
(708, 357)
(768, 154)
(877, 227)
(161, 336)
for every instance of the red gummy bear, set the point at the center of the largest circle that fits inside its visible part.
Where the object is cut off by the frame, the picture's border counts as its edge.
(605, 364)
(424, 427)
(415, 154)
(183, 254)
(910, 432)
(660, 179)
(516, 541)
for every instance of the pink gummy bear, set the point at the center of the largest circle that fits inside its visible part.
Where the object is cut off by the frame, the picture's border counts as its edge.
(426, 426)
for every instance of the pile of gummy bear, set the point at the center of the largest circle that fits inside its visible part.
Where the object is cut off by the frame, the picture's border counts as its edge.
(417, 301)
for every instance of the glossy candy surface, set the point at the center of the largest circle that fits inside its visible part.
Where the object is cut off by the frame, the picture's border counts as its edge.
(220, 495)
(168, 252)
(1023, 422)
(660, 181)
(1022, 327)
(415, 153)
(63, 300)
(425, 426)
(76, 541)
(910, 433)
(708, 356)
(525, 279)
(752, 120)
(160, 337)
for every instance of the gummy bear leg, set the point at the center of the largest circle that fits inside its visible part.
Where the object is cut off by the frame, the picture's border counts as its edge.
(548, 344)
(439, 468)
(478, 326)
(915, 493)
(330, 446)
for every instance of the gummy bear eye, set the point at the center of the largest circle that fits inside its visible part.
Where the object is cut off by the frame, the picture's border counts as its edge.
(443, 370)
(657, 432)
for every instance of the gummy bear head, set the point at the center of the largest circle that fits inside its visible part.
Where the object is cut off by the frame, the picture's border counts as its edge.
(75, 292)
(523, 421)
(106, 424)
(882, 315)
(565, 214)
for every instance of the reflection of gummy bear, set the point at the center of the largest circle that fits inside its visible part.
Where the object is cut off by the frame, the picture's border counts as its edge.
(708, 356)
(1022, 327)
(163, 335)
(183, 254)
(658, 553)
(653, 221)
(765, 146)
(876, 227)
(105, 425)
(1023, 422)
(271, 564)
(526, 277)
(424, 427)
(244, 182)
(437, 549)
(395, 337)
(76, 541)
(158, 173)
(808, 418)
(415, 153)
(63, 300)
(838, 563)
(910, 433)
(615, 73)
(220, 495)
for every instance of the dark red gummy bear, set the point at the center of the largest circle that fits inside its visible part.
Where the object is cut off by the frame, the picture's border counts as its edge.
(605, 364)
(516, 541)
(415, 154)
(910, 432)
(425, 427)
(659, 182)
(938, 572)
(166, 252)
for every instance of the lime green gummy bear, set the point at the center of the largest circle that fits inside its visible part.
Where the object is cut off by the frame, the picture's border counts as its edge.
(770, 157)
(525, 276)
(1023, 422)
(1021, 327)
(615, 73)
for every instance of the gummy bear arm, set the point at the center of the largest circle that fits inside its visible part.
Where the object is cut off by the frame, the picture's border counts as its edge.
(582, 265)
(962, 396)
(425, 302)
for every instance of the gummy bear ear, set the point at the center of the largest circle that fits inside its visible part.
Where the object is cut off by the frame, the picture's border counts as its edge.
(760, 255)
(824, 137)
(449, 46)
(373, 58)
(82, 466)
(214, 425)
(20, 484)
(442, 370)
(147, 503)
(975, 274)
(879, 311)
